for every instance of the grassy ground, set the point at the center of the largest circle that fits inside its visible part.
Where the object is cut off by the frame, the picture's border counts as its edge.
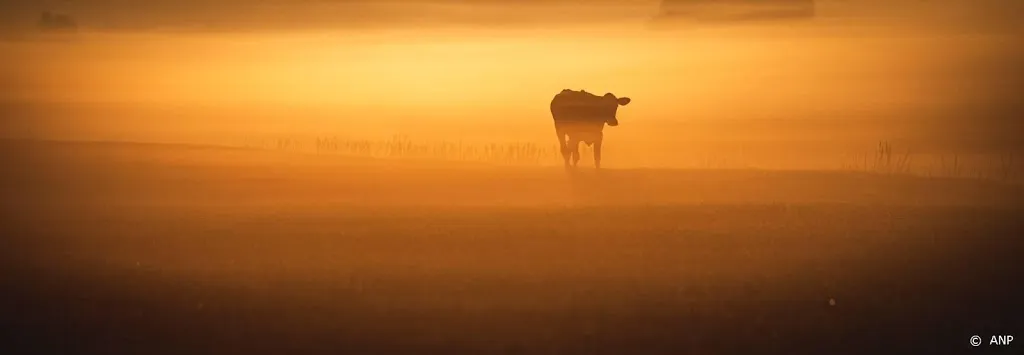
(121, 248)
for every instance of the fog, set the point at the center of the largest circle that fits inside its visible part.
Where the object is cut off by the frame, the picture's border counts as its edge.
(930, 79)
(269, 177)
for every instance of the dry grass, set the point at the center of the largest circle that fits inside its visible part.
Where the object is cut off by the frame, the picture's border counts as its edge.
(884, 159)
(133, 248)
(513, 153)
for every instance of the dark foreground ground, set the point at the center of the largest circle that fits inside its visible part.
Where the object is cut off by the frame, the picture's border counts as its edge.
(139, 249)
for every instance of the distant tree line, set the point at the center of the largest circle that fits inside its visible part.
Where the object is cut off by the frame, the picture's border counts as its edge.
(49, 21)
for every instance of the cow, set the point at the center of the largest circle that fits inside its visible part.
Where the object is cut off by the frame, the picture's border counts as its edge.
(580, 117)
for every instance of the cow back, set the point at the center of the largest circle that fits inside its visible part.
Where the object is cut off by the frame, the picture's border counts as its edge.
(581, 107)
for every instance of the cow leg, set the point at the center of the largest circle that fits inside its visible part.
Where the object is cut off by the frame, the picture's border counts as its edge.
(574, 148)
(562, 147)
(597, 152)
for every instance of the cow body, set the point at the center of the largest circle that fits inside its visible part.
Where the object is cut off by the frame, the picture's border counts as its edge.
(580, 117)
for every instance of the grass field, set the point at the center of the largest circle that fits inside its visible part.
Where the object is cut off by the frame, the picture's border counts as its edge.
(120, 248)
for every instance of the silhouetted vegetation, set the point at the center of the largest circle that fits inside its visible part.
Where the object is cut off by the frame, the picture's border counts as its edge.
(886, 158)
(516, 153)
(884, 162)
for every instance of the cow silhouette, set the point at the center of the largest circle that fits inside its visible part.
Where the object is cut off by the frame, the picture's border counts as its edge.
(580, 117)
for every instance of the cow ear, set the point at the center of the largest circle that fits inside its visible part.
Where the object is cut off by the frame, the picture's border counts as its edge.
(623, 101)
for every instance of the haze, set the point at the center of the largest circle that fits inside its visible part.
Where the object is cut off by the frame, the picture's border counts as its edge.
(325, 177)
(221, 73)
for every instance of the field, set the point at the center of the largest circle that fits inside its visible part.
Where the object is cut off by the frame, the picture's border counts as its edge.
(121, 248)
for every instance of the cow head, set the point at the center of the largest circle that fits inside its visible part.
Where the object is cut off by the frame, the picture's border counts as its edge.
(613, 104)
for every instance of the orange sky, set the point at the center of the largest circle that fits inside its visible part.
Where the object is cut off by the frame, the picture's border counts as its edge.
(506, 69)
(830, 68)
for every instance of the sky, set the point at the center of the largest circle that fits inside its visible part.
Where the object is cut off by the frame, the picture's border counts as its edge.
(262, 15)
(468, 68)
(249, 15)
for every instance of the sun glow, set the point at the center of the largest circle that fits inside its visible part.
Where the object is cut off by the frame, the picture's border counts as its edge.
(457, 71)
(495, 81)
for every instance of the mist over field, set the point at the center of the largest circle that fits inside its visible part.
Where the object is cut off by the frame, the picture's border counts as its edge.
(384, 178)
(931, 79)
